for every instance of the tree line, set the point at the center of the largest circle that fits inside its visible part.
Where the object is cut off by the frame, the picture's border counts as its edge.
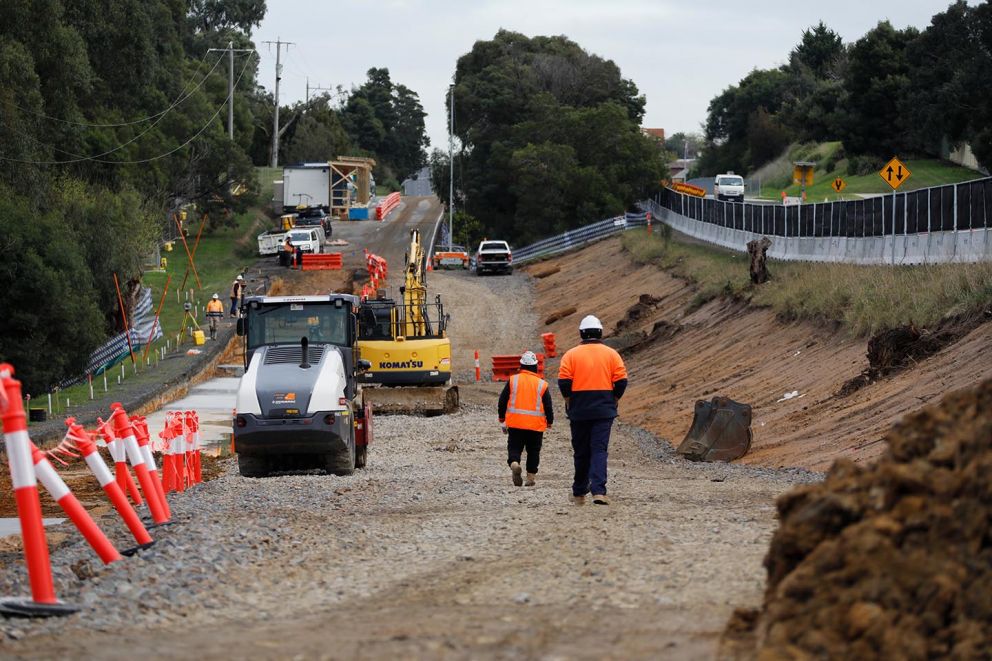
(906, 91)
(548, 139)
(112, 117)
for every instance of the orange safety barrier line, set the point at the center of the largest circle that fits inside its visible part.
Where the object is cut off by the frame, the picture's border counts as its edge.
(506, 366)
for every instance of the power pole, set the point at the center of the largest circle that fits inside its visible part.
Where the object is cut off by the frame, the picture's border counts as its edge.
(315, 88)
(451, 163)
(274, 162)
(230, 50)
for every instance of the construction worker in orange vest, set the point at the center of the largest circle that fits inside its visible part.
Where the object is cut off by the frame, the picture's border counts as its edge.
(524, 413)
(215, 311)
(592, 379)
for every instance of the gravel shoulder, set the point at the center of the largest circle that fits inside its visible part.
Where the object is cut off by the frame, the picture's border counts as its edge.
(431, 552)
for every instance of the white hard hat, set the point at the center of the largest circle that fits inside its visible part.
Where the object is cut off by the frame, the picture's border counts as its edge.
(239, 278)
(215, 296)
(590, 322)
(528, 358)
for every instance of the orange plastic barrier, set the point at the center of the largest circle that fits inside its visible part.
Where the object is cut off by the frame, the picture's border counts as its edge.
(506, 366)
(322, 262)
(550, 347)
(387, 205)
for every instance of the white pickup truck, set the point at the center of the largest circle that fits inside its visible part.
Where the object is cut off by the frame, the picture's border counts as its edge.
(494, 257)
(308, 239)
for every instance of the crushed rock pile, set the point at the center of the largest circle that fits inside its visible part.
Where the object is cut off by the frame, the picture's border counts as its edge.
(892, 560)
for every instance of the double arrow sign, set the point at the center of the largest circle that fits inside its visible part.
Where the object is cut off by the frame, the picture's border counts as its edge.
(895, 173)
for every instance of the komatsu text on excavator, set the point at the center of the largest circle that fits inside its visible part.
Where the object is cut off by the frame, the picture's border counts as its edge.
(406, 342)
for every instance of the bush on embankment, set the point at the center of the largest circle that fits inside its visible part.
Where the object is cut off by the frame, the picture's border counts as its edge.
(863, 299)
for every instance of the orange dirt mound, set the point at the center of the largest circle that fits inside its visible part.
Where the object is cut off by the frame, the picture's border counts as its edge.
(892, 560)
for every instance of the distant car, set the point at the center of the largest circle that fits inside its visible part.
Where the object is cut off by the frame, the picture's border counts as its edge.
(493, 257)
(728, 186)
(313, 218)
(452, 257)
(308, 239)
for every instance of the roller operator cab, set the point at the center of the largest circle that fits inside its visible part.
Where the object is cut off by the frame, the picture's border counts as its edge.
(299, 405)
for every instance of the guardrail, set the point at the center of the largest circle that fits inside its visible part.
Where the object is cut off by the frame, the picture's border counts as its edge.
(578, 237)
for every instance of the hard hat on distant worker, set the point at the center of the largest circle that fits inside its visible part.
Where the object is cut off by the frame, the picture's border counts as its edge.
(215, 297)
(590, 328)
(239, 278)
(590, 322)
(528, 358)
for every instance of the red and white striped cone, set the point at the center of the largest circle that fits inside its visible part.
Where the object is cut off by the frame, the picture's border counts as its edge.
(117, 452)
(124, 430)
(144, 443)
(197, 465)
(43, 602)
(61, 494)
(478, 368)
(81, 439)
(170, 473)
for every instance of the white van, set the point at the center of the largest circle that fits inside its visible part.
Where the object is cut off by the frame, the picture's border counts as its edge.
(728, 186)
(309, 239)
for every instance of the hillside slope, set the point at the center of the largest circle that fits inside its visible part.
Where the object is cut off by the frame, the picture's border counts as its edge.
(747, 354)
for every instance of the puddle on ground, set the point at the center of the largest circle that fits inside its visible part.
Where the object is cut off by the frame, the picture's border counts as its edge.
(214, 402)
(12, 525)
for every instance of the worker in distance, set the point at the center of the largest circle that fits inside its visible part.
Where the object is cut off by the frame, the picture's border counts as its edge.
(525, 412)
(592, 378)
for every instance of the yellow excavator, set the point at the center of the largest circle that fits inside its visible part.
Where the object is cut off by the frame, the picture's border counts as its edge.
(406, 342)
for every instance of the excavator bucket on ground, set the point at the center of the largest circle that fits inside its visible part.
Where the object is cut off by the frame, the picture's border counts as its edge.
(427, 401)
(720, 431)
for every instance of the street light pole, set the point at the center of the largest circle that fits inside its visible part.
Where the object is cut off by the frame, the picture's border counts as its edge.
(451, 163)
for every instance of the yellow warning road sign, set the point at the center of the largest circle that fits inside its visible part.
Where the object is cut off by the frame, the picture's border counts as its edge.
(838, 185)
(895, 173)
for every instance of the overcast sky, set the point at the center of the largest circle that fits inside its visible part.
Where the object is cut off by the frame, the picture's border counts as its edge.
(680, 54)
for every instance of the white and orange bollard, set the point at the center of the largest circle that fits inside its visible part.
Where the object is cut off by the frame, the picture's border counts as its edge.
(144, 444)
(478, 368)
(43, 602)
(82, 441)
(123, 430)
(117, 452)
(61, 494)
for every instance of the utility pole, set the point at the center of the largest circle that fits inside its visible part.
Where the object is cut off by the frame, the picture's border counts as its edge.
(451, 163)
(315, 88)
(230, 50)
(274, 162)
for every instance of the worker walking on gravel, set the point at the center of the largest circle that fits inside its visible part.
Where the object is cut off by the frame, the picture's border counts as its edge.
(525, 411)
(592, 379)
(215, 312)
(237, 289)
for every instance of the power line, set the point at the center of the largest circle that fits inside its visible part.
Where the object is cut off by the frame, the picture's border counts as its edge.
(141, 160)
(182, 97)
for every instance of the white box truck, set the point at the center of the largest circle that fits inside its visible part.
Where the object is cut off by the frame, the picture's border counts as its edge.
(308, 184)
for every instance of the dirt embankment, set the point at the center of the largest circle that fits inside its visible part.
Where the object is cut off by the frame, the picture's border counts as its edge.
(676, 354)
(891, 560)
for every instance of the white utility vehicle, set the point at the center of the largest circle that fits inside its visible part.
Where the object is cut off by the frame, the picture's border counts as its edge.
(728, 186)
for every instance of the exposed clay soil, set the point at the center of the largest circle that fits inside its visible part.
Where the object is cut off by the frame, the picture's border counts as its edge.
(747, 354)
(893, 560)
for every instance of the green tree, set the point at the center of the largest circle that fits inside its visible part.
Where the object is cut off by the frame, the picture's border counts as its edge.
(550, 136)
(877, 78)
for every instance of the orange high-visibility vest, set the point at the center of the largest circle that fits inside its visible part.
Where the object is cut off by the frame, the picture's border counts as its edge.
(525, 409)
(215, 305)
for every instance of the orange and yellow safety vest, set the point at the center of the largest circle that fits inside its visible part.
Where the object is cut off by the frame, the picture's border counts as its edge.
(525, 409)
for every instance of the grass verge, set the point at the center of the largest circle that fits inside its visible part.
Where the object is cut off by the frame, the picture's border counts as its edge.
(862, 299)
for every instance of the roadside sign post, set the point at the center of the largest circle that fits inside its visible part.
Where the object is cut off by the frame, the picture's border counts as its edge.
(838, 185)
(895, 174)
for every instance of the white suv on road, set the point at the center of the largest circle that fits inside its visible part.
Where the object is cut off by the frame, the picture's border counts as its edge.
(728, 186)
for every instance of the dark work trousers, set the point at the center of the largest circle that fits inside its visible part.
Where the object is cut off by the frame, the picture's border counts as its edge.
(517, 440)
(590, 444)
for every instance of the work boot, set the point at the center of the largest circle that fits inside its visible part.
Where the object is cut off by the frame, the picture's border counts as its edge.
(517, 480)
(579, 500)
(531, 479)
(600, 499)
